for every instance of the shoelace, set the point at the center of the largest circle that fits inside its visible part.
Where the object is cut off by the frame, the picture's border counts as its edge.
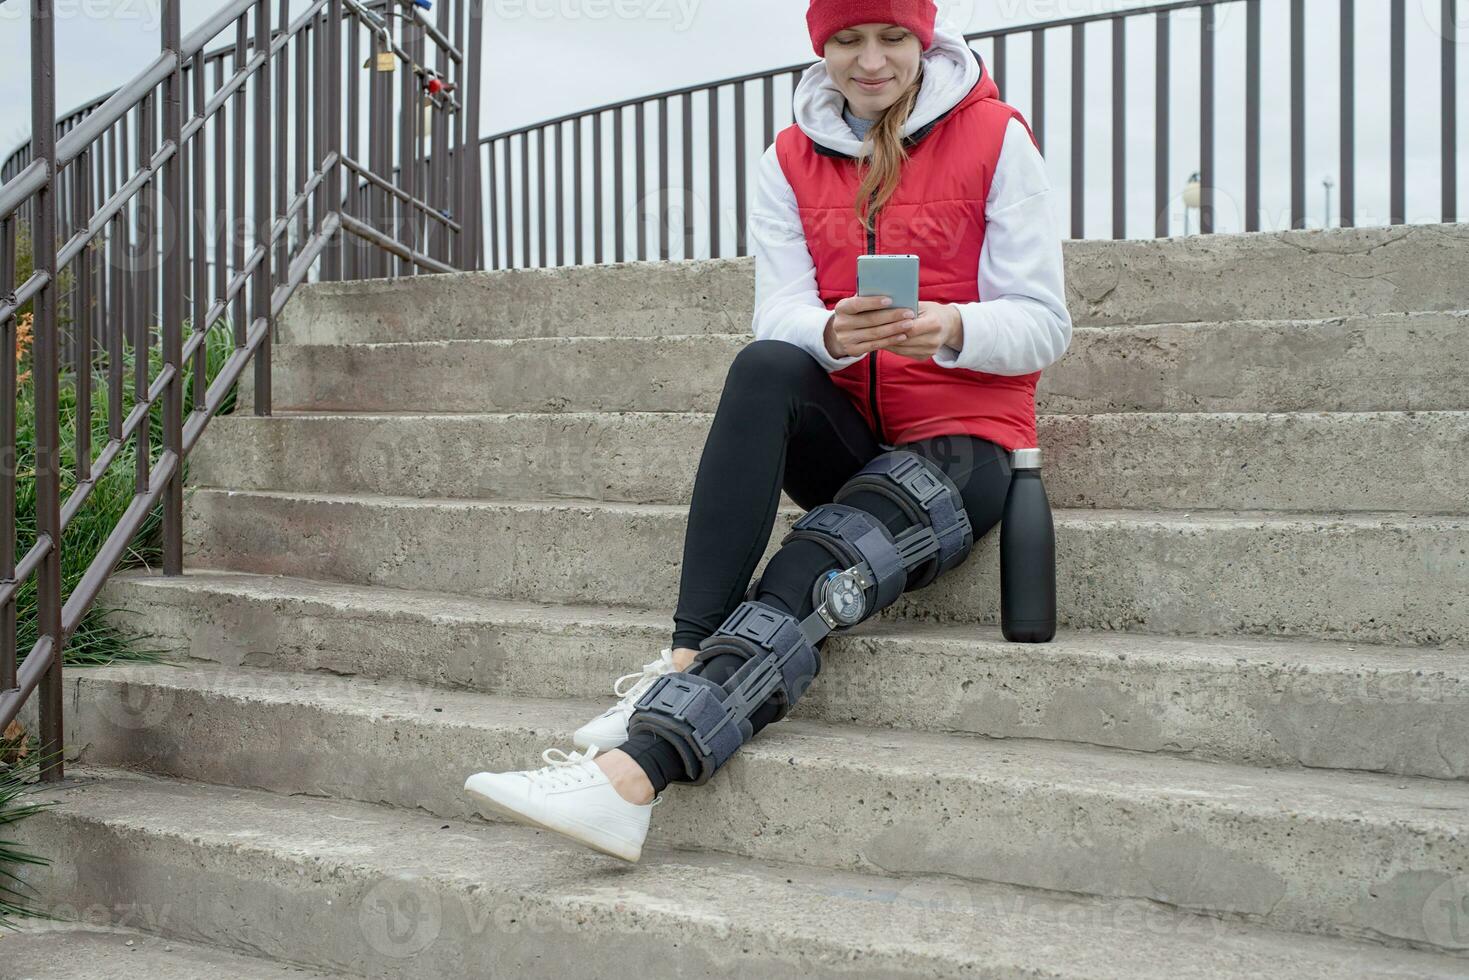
(644, 678)
(558, 773)
(563, 771)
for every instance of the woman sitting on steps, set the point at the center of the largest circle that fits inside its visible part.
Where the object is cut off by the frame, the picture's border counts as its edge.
(901, 145)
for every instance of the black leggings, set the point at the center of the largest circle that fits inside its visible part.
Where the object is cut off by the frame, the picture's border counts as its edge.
(782, 423)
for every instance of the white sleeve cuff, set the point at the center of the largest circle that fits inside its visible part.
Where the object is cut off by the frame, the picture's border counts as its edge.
(806, 327)
(980, 337)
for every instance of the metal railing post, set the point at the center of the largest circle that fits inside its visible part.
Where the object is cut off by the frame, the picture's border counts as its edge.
(46, 381)
(332, 266)
(472, 220)
(7, 438)
(261, 279)
(171, 328)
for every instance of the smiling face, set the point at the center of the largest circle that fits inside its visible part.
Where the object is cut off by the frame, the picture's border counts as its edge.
(885, 55)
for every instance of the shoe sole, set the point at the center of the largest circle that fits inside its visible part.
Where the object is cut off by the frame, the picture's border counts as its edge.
(574, 832)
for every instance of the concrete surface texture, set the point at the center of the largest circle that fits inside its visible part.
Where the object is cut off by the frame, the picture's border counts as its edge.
(1246, 753)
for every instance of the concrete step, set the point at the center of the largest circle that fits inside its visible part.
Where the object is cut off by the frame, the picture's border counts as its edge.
(63, 950)
(1372, 461)
(1384, 362)
(1379, 578)
(1332, 853)
(1252, 701)
(399, 894)
(1294, 274)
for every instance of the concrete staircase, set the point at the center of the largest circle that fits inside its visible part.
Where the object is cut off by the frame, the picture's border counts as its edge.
(1245, 754)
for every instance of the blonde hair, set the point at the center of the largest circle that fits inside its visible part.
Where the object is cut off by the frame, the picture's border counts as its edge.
(879, 179)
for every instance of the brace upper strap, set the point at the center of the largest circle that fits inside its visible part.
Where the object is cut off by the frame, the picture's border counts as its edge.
(852, 536)
(928, 496)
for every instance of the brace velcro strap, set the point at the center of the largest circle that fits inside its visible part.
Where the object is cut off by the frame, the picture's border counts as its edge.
(886, 564)
(784, 665)
(917, 485)
(692, 713)
(853, 536)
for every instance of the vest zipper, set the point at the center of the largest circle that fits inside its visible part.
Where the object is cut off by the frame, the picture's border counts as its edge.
(872, 360)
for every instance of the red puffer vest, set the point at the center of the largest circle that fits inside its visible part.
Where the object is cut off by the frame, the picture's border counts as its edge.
(938, 214)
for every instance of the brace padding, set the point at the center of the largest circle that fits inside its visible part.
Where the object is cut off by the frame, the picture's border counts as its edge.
(929, 497)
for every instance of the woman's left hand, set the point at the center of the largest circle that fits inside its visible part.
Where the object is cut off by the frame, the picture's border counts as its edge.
(935, 325)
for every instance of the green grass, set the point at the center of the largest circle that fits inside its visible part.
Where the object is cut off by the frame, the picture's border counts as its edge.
(16, 782)
(95, 642)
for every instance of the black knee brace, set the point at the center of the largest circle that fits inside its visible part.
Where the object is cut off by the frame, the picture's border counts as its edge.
(705, 721)
(708, 722)
(939, 537)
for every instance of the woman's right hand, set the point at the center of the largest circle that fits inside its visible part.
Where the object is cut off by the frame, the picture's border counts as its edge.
(860, 324)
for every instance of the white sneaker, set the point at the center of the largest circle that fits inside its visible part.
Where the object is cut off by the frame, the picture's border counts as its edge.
(571, 796)
(609, 729)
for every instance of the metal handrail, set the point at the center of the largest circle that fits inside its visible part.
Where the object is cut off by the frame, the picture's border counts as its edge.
(1006, 52)
(344, 210)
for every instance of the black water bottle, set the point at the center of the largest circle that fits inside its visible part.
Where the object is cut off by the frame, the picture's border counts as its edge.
(1027, 555)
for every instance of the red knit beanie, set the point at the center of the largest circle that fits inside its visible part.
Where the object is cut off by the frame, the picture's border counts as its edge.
(826, 17)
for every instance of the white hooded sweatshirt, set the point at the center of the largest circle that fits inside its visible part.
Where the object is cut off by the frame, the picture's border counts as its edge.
(1021, 325)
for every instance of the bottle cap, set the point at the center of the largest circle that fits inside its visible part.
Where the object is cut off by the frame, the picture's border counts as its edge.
(1025, 459)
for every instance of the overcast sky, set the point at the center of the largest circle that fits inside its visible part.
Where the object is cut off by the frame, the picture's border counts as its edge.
(548, 57)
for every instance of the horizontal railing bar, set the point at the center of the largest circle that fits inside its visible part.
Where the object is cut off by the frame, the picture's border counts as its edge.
(115, 203)
(21, 188)
(122, 101)
(1149, 11)
(88, 108)
(23, 293)
(278, 228)
(296, 274)
(77, 114)
(116, 545)
(77, 497)
(229, 373)
(383, 241)
(222, 95)
(103, 461)
(74, 117)
(803, 65)
(35, 664)
(100, 465)
(195, 40)
(399, 193)
(23, 568)
(298, 25)
(435, 36)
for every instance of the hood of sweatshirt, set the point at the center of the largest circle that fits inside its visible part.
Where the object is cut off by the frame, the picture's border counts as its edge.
(951, 69)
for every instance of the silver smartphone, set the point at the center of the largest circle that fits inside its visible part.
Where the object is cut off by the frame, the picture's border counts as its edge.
(889, 275)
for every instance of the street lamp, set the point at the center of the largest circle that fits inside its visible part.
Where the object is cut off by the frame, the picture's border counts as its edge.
(1193, 197)
(1326, 182)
